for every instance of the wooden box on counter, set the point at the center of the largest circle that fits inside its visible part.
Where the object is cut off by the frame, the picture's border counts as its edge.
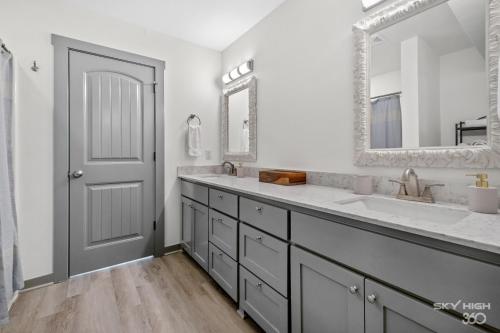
(282, 177)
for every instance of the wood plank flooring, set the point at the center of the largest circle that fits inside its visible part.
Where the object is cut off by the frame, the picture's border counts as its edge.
(167, 294)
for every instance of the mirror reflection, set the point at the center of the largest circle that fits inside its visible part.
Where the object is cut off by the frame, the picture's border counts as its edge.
(429, 80)
(238, 122)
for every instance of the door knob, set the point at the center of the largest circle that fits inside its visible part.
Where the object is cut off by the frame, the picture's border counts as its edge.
(77, 174)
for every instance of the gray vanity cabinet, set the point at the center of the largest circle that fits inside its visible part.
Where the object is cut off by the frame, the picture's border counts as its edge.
(200, 235)
(324, 297)
(389, 311)
(187, 225)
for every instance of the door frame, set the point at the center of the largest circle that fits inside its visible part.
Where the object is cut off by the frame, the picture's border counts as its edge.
(62, 47)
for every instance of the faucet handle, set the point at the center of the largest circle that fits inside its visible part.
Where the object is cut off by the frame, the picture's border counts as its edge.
(427, 193)
(402, 187)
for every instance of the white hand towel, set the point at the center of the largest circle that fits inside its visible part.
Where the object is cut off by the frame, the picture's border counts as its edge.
(194, 140)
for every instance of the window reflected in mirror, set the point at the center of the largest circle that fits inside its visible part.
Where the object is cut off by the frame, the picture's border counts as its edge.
(429, 80)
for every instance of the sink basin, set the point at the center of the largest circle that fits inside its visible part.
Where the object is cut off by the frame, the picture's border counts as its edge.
(211, 176)
(410, 210)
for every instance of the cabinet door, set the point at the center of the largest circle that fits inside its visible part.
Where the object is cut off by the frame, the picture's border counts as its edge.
(200, 235)
(389, 311)
(324, 296)
(187, 225)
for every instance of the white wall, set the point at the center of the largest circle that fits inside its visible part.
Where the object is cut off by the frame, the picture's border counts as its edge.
(410, 99)
(191, 86)
(238, 113)
(387, 83)
(464, 90)
(303, 61)
(428, 95)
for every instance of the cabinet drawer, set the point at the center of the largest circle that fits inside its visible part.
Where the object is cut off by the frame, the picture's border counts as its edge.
(268, 308)
(224, 202)
(265, 256)
(268, 218)
(432, 274)
(224, 270)
(195, 192)
(223, 232)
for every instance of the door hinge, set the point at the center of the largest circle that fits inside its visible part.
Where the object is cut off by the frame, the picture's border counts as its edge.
(154, 86)
(154, 225)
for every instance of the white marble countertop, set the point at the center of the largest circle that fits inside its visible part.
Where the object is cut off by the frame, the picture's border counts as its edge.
(479, 231)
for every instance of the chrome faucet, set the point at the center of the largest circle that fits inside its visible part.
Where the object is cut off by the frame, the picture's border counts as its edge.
(409, 188)
(232, 168)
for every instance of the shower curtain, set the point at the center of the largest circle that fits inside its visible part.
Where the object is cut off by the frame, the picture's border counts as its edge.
(11, 278)
(386, 123)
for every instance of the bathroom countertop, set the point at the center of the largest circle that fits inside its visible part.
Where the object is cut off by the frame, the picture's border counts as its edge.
(479, 231)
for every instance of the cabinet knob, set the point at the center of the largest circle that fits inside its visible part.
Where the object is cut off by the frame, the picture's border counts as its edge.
(220, 196)
(259, 285)
(353, 289)
(259, 209)
(371, 298)
(259, 238)
(220, 254)
(219, 220)
(190, 205)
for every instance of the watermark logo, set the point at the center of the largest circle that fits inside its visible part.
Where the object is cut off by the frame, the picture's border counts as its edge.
(473, 313)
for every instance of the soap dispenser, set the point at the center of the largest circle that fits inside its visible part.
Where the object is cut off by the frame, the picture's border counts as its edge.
(482, 198)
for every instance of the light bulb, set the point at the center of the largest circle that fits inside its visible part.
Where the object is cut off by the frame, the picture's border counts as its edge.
(234, 74)
(245, 68)
(226, 78)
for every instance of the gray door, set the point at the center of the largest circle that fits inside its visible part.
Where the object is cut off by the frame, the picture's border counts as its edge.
(388, 311)
(325, 297)
(111, 161)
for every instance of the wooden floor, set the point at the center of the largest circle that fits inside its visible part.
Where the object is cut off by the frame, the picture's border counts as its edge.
(168, 294)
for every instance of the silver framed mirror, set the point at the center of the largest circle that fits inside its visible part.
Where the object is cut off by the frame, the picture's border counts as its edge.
(378, 142)
(239, 121)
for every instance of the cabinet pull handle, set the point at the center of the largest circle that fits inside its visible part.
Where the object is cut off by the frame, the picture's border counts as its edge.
(220, 196)
(259, 209)
(371, 299)
(259, 285)
(353, 289)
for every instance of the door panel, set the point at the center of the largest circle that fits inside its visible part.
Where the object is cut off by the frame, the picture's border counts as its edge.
(200, 235)
(187, 225)
(115, 116)
(390, 311)
(112, 143)
(321, 295)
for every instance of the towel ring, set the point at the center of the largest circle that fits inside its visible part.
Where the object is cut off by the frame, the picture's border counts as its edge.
(191, 117)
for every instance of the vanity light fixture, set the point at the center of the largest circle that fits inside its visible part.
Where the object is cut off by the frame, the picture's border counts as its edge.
(236, 73)
(368, 4)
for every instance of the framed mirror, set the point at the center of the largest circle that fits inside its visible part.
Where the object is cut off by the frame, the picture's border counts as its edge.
(239, 122)
(426, 85)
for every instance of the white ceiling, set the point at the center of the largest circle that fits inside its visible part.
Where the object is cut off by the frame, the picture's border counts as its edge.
(211, 23)
(447, 28)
